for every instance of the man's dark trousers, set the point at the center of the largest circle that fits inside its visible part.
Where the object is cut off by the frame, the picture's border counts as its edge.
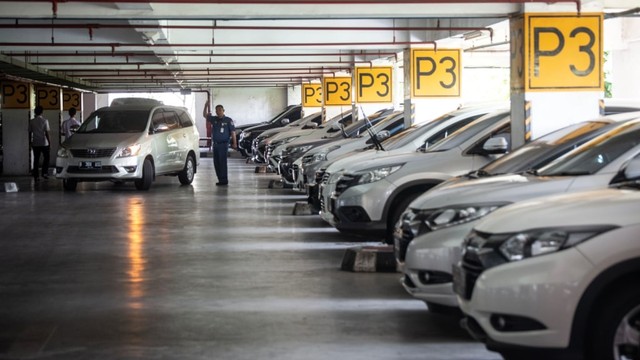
(220, 153)
(44, 150)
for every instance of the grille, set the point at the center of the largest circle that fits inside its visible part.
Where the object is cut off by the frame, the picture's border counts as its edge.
(93, 153)
(410, 227)
(103, 170)
(345, 182)
(480, 252)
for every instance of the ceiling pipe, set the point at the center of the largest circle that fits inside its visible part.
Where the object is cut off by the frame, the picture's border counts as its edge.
(207, 71)
(113, 46)
(111, 63)
(244, 27)
(54, 3)
(143, 54)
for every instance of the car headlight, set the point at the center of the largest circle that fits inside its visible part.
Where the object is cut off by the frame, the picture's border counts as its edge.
(537, 242)
(376, 174)
(245, 134)
(455, 215)
(63, 152)
(131, 150)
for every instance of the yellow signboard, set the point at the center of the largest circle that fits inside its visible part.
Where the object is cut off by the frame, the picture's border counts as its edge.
(435, 72)
(337, 91)
(564, 52)
(49, 97)
(71, 98)
(374, 84)
(311, 95)
(15, 95)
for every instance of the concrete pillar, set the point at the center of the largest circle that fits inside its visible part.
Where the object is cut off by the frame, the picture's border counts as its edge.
(17, 98)
(50, 98)
(432, 81)
(556, 68)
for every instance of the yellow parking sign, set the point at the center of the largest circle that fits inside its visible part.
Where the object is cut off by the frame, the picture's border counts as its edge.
(311, 95)
(337, 91)
(563, 52)
(435, 72)
(374, 84)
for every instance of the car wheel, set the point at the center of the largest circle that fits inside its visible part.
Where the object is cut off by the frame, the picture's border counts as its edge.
(69, 184)
(147, 176)
(187, 174)
(615, 334)
(394, 214)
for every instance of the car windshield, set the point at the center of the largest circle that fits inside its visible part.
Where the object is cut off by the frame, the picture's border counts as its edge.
(461, 136)
(115, 121)
(597, 153)
(545, 149)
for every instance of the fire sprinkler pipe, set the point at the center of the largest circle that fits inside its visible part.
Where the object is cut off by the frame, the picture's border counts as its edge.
(54, 3)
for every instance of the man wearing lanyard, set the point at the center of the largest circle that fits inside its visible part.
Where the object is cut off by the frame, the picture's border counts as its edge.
(222, 131)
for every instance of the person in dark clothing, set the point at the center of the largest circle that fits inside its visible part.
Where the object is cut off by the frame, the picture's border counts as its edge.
(223, 131)
(40, 143)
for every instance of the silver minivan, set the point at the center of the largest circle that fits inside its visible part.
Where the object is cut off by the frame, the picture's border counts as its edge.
(135, 141)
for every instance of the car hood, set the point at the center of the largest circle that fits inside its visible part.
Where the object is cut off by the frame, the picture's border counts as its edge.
(291, 133)
(598, 207)
(501, 188)
(393, 158)
(83, 141)
(348, 161)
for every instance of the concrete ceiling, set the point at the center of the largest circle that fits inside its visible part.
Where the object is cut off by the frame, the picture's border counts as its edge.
(114, 46)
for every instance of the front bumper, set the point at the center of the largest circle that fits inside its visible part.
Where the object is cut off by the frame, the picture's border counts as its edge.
(428, 264)
(99, 169)
(544, 289)
(360, 208)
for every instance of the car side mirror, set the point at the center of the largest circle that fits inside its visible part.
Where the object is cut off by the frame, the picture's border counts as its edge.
(496, 145)
(383, 135)
(284, 121)
(632, 170)
(160, 128)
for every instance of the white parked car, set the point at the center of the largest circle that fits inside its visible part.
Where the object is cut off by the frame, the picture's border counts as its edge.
(131, 142)
(442, 217)
(557, 277)
(370, 196)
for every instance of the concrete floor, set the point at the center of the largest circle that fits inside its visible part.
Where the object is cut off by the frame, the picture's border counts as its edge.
(197, 272)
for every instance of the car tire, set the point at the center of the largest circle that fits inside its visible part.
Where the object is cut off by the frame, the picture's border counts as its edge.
(188, 173)
(147, 176)
(616, 323)
(69, 184)
(399, 206)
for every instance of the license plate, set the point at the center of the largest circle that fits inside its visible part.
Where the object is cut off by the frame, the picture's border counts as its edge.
(459, 281)
(88, 165)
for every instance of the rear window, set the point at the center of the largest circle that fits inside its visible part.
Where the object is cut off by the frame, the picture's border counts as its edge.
(114, 121)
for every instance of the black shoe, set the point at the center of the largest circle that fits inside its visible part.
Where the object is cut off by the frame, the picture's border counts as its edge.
(222, 183)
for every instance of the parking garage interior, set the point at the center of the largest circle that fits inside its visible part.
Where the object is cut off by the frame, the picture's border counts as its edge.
(206, 272)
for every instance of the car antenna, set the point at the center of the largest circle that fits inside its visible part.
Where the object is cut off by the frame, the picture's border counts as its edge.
(374, 138)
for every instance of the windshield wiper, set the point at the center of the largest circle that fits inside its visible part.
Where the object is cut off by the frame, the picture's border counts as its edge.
(570, 173)
(478, 174)
(375, 140)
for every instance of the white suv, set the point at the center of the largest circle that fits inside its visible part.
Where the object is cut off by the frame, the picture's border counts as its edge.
(557, 277)
(446, 214)
(131, 142)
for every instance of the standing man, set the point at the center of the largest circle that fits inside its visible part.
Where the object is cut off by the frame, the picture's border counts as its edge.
(222, 131)
(70, 123)
(39, 136)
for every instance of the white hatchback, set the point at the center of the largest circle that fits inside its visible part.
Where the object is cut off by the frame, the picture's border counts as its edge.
(131, 142)
(557, 277)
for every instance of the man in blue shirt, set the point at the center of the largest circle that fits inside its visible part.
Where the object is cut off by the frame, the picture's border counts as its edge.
(223, 131)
